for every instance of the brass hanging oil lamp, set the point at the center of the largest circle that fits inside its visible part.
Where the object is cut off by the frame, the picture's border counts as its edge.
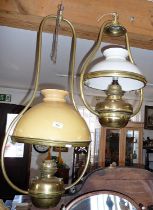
(118, 66)
(49, 123)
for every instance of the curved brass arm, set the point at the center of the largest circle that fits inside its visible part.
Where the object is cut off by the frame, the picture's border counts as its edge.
(2, 161)
(141, 90)
(83, 172)
(140, 102)
(85, 64)
(72, 64)
(36, 83)
(128, 48)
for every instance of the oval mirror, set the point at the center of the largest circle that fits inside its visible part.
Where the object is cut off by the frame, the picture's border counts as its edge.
(102, 200)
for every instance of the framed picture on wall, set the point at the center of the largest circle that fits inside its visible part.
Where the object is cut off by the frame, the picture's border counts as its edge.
(148, 118)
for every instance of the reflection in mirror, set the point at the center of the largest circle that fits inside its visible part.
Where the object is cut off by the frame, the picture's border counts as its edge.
(102, 201)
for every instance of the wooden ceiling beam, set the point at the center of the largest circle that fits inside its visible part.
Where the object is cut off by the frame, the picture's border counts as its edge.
(135, 15)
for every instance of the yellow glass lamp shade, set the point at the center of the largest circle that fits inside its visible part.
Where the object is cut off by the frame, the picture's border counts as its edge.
(52, 122)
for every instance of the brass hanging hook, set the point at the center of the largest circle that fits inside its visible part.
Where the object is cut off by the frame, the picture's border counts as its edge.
(113, 14)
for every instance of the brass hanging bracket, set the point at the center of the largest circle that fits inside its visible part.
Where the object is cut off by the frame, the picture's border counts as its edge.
(56, 32)
(113, 28)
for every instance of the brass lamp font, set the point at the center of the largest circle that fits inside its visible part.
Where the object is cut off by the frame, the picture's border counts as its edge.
(113, 111)
(48, 183)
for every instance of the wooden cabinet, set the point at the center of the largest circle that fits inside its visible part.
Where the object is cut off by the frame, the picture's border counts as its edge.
(123, 146)
(148, 162)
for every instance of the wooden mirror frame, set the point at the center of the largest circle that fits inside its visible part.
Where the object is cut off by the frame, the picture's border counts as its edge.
(88, 195)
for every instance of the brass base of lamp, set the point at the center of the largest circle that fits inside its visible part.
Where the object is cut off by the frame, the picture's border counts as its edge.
(119, 120)
(45, 202)
(46, 190)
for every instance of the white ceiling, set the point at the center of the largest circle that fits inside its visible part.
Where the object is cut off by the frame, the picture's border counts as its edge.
(17, 58)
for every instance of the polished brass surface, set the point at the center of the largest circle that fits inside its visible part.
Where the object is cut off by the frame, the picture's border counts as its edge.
(116, 120)
(46, 191)
(114, 112)
(114, 29)
(128, 48)
(51, 142)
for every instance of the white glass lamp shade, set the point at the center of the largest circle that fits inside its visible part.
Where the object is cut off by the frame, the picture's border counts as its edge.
(52, 122)
(115, 65)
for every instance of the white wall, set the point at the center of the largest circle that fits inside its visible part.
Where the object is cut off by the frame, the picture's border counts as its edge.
(18, 96)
